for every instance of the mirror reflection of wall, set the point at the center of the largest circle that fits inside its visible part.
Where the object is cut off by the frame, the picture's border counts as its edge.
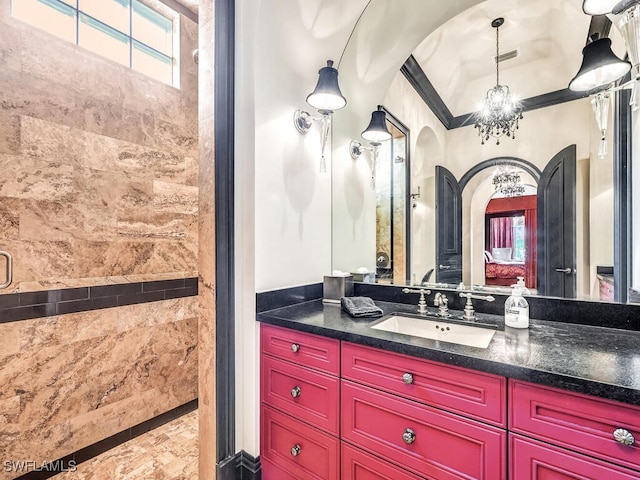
(546, 38)
(391, 180)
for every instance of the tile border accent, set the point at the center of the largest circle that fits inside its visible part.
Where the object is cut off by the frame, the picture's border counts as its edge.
(113, 441)
(29, 305)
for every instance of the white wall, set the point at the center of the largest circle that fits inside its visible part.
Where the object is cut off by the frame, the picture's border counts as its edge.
(283, 202)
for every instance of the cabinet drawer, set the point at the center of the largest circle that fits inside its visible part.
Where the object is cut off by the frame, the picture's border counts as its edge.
(306, 394)
(316, 454)
(582, 423)
(531, 460)
(445, 445)
(470, 393)
(302, 348)
(358, 465)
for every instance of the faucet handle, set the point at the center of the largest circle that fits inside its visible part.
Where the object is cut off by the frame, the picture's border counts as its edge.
(469, 313)
(422, 303)
(421, 291)
(470, 295)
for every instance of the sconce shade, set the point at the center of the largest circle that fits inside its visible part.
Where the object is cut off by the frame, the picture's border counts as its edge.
(598, 7)
(604, 7)
(326, 97)
(599, 68)
(377, 130)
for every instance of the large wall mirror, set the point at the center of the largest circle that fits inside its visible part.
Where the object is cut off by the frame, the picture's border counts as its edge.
(568, 228)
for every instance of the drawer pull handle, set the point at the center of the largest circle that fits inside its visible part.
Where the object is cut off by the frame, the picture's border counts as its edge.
(296, 392)
(409, 436)
(624, 437)
(407, 378)
(295, 450)
(295, 348)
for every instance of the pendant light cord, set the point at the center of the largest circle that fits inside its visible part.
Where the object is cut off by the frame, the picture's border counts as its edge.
(497, 55)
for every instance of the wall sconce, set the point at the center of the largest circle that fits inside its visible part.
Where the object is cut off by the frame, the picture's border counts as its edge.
(376, 133)
(415, 197)
(600, 68)
(326, 98)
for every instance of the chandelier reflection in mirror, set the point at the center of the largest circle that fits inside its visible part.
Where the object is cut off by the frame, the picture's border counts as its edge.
(501, 112)
(508, 182)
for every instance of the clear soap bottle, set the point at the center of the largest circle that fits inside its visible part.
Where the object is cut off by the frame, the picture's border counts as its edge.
(516, 308)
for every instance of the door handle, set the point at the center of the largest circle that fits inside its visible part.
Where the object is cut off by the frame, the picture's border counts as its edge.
(9, 270)
(564, 270)
(444, 267)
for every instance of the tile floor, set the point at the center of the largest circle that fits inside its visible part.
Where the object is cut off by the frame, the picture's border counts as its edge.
(169, 452)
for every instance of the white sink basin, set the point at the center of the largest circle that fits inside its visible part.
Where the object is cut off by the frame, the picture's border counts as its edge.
(437, 330)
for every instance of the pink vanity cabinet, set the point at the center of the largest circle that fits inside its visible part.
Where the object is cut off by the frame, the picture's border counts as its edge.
(560, 435)
(433, 420)
(300, 407)
(336, 410)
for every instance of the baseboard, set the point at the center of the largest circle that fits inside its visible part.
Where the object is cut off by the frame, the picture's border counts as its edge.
(248, 467)
(87, 453)
(241, 466)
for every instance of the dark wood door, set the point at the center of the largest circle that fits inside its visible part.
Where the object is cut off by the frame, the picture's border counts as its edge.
(557, 226)
(448, 227)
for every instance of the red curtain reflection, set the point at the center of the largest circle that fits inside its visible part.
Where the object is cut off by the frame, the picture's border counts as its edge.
(502, 236)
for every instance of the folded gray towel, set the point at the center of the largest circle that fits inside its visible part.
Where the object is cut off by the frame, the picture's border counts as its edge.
(360, 307)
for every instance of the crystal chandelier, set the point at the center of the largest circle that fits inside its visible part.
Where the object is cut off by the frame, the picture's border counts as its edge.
(508, 182)
(501, 112)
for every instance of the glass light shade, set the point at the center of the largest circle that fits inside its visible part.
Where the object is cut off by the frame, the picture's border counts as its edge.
(377, 130)
(599, 67)
(326, 97)
(629, 25)
(598, 7)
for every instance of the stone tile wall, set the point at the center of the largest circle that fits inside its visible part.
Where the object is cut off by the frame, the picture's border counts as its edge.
(98, 186)
(72, 380)
(98, 164)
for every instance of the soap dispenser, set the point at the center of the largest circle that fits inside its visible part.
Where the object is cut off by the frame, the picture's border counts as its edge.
(516, 308)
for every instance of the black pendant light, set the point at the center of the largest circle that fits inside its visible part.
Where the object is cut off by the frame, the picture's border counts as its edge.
(377, 131)
(599, 68)
(326, 97)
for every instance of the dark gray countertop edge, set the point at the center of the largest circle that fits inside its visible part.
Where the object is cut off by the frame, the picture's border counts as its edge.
(619, 393)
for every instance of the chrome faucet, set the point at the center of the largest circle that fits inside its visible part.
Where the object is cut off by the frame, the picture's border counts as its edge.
(469, 313)
(442, 302)
(422, 303)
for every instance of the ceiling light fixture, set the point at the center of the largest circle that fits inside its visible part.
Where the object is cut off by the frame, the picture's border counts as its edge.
(326, 98)
(500, 113)
(507, 182)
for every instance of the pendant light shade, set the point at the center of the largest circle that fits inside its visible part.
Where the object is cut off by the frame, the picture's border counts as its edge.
(599, 68)
(604, 7)
(598, 7)
(326, 97)
(377, 130)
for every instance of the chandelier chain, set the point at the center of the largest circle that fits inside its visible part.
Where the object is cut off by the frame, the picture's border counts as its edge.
(497, 54)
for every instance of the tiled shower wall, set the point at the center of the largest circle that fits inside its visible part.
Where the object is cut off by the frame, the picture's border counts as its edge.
(98, 186)
(98, 164)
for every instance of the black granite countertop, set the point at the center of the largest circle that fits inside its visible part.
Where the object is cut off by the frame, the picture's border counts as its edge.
(587, 359)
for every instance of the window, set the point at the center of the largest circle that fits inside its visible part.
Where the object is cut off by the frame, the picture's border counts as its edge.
(125, 31)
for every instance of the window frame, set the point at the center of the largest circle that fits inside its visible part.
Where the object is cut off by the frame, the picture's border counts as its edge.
(74, 6)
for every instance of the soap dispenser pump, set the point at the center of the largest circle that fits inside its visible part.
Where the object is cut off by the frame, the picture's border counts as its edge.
(516, 308)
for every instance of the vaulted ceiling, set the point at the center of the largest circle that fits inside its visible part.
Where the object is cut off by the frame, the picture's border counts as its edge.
(547, 36)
